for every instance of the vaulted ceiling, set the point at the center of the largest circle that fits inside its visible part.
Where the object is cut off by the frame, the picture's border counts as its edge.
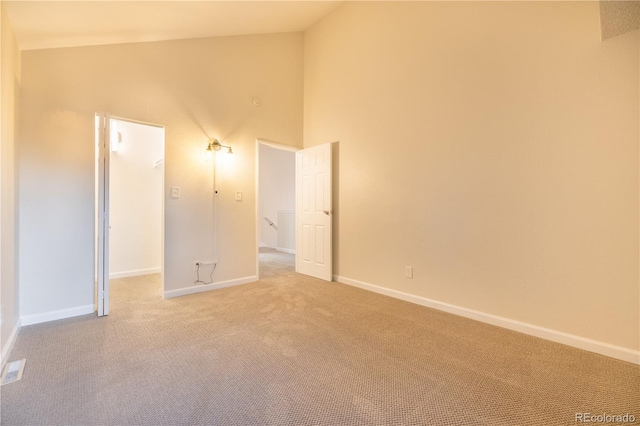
(51, 23)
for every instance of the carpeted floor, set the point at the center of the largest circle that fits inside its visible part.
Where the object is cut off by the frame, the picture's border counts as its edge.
(292, 350)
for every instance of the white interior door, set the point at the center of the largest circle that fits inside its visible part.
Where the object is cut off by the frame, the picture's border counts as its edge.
(104, 149)
(313, 212)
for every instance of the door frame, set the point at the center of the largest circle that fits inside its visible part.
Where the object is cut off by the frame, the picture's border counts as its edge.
(275, 145)
(102, 186)
(102, 145)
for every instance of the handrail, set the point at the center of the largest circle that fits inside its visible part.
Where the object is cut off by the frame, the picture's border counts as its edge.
(270, 222)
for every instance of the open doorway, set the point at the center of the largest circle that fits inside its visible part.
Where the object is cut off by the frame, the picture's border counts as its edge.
(129, 188)
(275, 206)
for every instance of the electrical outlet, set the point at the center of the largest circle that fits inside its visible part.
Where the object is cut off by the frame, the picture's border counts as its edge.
(408, 271)
(201, 263)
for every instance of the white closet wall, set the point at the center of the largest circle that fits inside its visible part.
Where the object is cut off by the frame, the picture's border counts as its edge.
(136, 200)
(277, 190)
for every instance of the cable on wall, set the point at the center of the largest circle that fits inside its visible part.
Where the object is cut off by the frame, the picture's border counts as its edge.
(198, 280)
(214, 201)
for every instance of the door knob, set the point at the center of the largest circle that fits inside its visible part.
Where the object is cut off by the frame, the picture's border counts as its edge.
(326, 212)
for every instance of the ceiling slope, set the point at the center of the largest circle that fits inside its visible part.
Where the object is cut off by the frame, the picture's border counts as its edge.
(51, 24)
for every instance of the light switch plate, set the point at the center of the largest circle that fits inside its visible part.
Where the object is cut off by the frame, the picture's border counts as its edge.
(408, 271)
(238, 195)
(175, 192)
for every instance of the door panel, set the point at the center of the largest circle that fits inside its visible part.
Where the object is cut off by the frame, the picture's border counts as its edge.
(313, 212)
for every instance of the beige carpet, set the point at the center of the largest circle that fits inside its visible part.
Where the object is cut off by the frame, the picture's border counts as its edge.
(292, 350)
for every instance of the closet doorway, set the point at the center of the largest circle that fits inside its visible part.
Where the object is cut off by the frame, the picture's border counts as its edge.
(130, 204)
(275, 205)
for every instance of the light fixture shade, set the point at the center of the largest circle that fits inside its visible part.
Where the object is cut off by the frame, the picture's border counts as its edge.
(215, 145)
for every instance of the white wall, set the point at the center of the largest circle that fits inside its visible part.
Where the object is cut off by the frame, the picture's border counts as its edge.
(277, 189)
(197, 89)
(135, 208)
(493, 146)
(9, 89)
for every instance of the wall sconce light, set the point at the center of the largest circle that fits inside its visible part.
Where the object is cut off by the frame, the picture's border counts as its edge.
(215, 145)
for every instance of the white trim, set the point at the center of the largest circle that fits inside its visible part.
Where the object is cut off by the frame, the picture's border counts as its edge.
(208, 287)
(144, 123)
(135, 273)
(257, 205)
(6, 350)
(277, 145)
(602, 348)
(286, 250)
(57, 315)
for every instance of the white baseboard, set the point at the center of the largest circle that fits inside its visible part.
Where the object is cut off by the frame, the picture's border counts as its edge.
(57, 315)
(286, 250)
(6, 350)
(208, 287)
(134, 273)
(602, 348)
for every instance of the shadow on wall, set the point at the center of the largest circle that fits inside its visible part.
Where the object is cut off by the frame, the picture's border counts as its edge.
(202, 122)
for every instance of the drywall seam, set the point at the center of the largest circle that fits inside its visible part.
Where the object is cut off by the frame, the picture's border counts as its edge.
(208, 287)
(57, 315)
(613, 351)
